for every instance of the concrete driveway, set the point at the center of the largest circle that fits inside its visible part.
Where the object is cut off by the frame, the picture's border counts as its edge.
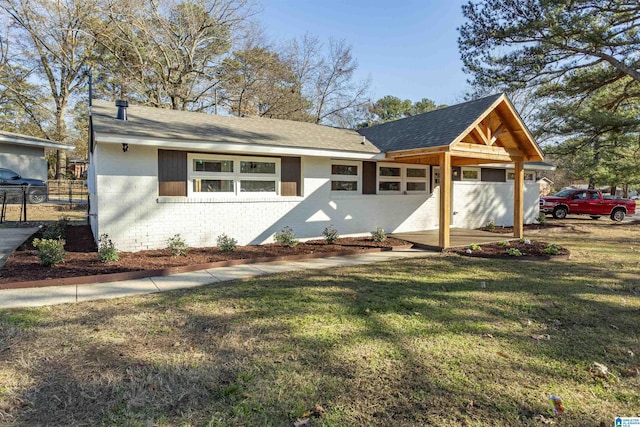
(11, 238)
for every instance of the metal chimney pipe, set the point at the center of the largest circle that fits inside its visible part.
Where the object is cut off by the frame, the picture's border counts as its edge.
(122, 109)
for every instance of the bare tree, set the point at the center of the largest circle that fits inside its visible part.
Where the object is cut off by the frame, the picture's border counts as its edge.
(256, 81)
(328, 78)
(335, 89)
(56, 47)
(168, 54)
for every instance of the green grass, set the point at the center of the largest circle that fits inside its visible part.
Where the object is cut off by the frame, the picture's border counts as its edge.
(417, 342)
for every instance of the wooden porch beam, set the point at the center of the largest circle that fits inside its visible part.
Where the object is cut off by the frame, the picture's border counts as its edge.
(444, 230)
(487, 157)
(488, 124)
(482, 134)
(416, 152)
(473, 138)
(462, 147)
(485, 152)
(507, 128)
(518, 200)
(422, 160)
(497, 133)
(465, 161)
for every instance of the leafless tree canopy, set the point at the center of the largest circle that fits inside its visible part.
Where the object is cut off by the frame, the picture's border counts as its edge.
(196, 55)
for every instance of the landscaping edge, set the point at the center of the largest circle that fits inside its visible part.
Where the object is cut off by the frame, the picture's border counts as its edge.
(141, 274)
(516, 258)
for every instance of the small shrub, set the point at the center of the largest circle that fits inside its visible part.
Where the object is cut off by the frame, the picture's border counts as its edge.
(473, 247)
(330, 234)
(541, 219)
(514, 252)
(57, 230)
(490, 226)
(226, 243)
(51, 251)
(378, 235)
(525, 241)
(177, 246)
(286, 237)
(107, 249)
(552, 249)
(504, 243)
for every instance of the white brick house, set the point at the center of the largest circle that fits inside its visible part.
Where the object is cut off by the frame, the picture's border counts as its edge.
(163, 172)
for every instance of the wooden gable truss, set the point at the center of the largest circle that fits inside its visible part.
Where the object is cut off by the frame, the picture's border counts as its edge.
(497, 136)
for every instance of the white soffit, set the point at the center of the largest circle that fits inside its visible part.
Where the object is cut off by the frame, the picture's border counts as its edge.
(226, 147)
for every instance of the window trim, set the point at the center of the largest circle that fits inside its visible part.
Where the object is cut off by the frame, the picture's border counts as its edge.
(357, 178)
(380, 179)
(424, 179)
(470, 169)
(236, 176)
(403, 178)
(526, 172)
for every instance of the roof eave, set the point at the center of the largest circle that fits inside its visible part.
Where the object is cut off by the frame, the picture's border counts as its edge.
(232, 147)
(17, 139)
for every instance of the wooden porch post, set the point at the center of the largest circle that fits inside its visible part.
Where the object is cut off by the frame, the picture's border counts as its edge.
(518, 200)
(444, 240)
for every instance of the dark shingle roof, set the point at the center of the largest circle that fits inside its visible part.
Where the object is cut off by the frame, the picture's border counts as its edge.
(433, 129)
(197, 127)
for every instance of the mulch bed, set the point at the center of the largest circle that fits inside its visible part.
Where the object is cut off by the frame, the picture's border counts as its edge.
(532, 250)
(82, 257)
(527, 227)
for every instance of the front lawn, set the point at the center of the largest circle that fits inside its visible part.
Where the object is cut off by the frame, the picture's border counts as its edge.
(444, 340)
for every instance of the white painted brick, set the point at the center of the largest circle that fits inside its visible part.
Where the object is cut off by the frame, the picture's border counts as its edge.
(129, 211)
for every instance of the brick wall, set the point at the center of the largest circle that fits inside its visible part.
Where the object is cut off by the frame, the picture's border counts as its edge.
(136, 218)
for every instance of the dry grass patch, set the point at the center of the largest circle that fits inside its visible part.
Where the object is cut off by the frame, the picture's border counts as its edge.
(47, 212)
(416, 342)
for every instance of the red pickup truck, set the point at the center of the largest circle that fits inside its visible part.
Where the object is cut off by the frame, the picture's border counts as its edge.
(586, 202)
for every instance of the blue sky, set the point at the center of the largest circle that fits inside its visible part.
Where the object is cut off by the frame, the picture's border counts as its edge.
(408, 47)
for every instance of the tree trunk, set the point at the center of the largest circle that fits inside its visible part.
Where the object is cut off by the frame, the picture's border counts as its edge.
(61, 136)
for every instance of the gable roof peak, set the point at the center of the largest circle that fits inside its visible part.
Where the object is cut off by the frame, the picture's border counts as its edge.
(431, 129)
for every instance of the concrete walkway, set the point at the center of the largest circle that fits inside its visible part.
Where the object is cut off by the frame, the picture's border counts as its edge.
(32, 297)
(11, 238)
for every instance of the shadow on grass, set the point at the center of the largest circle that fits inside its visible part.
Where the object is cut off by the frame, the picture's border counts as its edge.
(426, 341)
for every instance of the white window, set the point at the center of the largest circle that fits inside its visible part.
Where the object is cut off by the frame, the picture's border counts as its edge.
(470, 174)
(213, 175)
(528, 176)
(346, 177)
(394, 178)
(389, 178)
(416, 179)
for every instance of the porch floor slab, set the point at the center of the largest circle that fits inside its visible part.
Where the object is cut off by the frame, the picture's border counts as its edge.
(428, 239)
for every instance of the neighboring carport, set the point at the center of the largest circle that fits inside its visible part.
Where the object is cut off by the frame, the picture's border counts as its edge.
(26, 154)
(487, 130)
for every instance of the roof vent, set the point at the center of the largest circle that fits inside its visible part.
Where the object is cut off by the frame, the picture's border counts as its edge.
(122, 109)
